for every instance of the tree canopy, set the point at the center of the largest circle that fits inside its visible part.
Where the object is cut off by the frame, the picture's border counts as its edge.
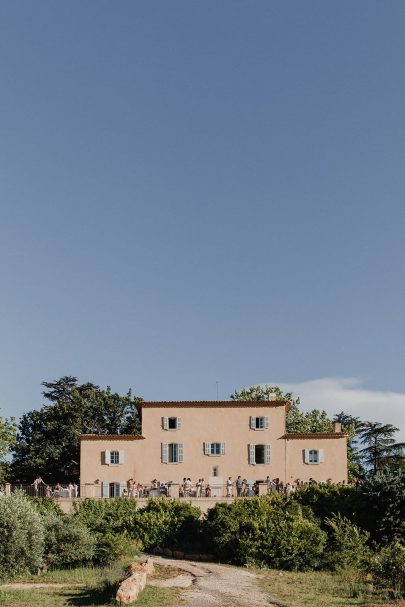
(48, 438)
(8, 432)
(296, 421)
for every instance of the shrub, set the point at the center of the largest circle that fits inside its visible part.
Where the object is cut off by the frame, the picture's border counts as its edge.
(168, 523)
(109, 547)
(388, 569)
(67, 542)
(325, 500)
(46, 505)
(264, 531)
(107, 516)
(21, 536)
(346, 545)
(383, 506)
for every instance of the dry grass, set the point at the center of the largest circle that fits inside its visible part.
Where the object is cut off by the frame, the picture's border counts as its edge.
(84, 587)
(318, 588)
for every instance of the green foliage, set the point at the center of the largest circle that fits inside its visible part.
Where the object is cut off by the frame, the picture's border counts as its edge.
(169, 523)
(107, 516)
(296, 420)
(46, 506)
(68, 543)
(48, 438)
(21, 536)
(347, 544)
(327, 499)
(8, 433)
(109, 547)
(383, 506)
(380, 449)
(388, 568)
(264, 531)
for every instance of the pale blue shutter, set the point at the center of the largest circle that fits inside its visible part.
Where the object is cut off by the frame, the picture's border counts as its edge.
(267, 454)
(165, 453)
(165, 423)
(107, 457)
(178, 423)
(252, 423)
(180, 453)
(252, 454)
(121, 457)
(321, 456)
(306, 456)
(207, 448)
(222, 448)
(105, 489)
(266, 422)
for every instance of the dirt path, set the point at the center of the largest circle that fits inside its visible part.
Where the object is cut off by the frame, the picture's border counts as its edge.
(212, 585)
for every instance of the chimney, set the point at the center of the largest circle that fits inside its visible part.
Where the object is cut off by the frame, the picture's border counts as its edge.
(337, 427)
(272, 396)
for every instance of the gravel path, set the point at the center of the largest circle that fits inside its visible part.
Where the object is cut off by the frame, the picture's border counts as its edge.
(212, 585)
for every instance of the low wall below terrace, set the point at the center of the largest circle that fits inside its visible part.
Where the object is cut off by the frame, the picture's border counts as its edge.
(204, 503)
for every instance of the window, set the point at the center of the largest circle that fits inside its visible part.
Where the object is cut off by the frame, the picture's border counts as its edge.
(114, 457)
(259, 423)
(259, 454)
(313, 456)
(171, 423)
(172, 453)
(214, 449)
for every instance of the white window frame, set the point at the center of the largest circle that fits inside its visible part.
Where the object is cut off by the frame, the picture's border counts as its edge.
(165, 423)
(312, 459)
(174, 448)
(252, 454)
(114, 457)
(254, 422)
(208, 448)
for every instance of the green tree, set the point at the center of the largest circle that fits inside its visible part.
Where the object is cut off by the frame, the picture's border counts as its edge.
(380, 449)
(352, 426)
(296, 420)
(48, 438)
(8, 433)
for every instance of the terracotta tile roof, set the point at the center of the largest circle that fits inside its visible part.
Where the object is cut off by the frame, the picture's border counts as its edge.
(204, 404)
(295, 435)
(111, 437)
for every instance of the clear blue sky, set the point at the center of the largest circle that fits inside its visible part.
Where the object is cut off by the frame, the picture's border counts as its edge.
(193, 192)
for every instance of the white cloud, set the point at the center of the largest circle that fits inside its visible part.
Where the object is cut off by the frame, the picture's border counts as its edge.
(335, 394)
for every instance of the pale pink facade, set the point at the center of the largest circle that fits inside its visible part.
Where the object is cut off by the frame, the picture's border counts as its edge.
(212, 440)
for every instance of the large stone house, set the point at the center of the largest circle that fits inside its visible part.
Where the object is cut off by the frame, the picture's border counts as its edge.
(210, 440)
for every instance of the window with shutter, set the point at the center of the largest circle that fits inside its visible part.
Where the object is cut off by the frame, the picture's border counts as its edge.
(313, 456)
